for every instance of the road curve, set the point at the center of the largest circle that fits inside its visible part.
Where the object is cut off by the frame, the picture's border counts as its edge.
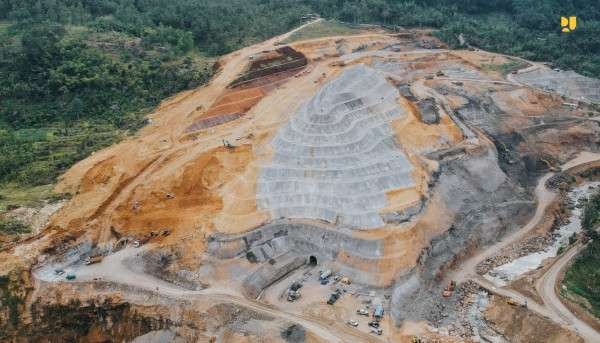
(114, 269)
(553, 308)
(545, 287)
(544, 198)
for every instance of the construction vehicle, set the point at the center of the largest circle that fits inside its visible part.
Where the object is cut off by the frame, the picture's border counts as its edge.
(449, 289)
(93, 259)
(512, 302)
(377, 331)
(362, 312)
(139, 242)
(378, 312)
(325, 275)
(451, 285)
(293, 295)
(228, 145)
(334, 297)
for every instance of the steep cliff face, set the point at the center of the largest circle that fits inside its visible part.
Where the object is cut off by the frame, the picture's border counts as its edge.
(25, 317)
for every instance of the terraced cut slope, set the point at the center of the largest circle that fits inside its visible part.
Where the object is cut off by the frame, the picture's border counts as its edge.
(337, 157)
(566, 83)
(395, 166)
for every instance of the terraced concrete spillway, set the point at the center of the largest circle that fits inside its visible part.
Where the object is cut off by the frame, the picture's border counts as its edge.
(337, 157)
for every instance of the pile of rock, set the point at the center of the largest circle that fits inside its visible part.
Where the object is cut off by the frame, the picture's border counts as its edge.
(465, 324)
(559, 181)
(529, 246)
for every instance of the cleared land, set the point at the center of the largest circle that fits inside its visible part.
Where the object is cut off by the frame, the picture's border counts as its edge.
(321, 28)
(234, 187)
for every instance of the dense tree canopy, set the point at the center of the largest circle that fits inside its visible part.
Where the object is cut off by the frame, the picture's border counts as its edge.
(81, 71)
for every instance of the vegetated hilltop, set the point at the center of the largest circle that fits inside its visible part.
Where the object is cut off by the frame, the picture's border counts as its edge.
(77, 77)
(583, 278)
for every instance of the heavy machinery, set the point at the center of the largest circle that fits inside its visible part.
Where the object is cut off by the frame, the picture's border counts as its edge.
(93, 259)
(377, 331)
(293, 295)
(449, 289)
(334, 297)
(325, 274)
(362, 312)
(353, 322)
(378, 312)
(228, 145)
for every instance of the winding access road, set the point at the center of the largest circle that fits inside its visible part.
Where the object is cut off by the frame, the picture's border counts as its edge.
(552, 308)
(117, 268)
(546, 288)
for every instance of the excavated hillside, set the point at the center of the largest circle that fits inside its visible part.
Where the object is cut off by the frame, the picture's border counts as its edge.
(383, 157)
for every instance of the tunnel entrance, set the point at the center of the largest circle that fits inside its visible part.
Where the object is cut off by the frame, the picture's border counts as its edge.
(312, 260)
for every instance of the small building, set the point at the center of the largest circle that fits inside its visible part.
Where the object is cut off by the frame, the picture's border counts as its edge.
(378, 312)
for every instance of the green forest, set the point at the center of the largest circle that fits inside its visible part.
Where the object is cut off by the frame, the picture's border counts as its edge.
(583, 277)
(78, 75)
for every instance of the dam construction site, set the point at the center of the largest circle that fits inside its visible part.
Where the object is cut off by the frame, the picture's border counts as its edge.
(370, 187)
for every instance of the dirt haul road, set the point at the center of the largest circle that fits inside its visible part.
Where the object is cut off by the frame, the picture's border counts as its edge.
(114, 269)
(553, 307)
(546, 288)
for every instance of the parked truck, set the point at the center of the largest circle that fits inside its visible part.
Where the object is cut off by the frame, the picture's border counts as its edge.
(93, 259)
(325, 275)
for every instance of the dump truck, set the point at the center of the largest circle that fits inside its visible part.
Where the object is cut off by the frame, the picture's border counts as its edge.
(228, 145)
(334, 297)
(378, 312)
(377, 331)
(362, 312)
(373, 324)
(512, 302)
(139, 242)
(93, 259)
(353, 323)
(325, 275)
(449, 289)
(293, 295)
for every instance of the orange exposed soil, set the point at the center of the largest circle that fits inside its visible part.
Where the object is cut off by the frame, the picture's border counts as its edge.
(176, 174)
(176, 203)
(236, 101)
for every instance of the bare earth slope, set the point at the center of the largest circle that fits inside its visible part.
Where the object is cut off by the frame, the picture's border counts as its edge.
(383, 157)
